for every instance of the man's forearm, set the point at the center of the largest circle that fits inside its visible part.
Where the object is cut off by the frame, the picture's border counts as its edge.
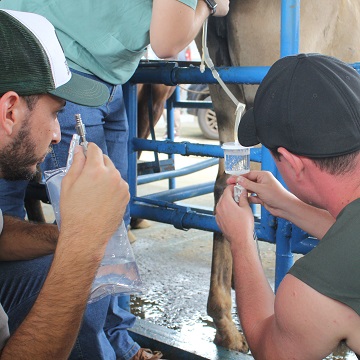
(22, 240)
(313, 220)
(177, 19)
(254, 296)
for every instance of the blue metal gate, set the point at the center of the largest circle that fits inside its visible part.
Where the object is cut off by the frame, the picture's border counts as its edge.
(288, 238)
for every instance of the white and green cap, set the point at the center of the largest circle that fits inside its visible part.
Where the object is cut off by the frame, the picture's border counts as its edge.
(32, 62)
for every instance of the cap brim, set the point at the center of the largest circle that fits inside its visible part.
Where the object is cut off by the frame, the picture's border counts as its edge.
(83, 91)
(246, 130)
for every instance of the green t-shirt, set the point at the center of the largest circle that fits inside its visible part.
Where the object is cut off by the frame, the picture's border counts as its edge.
(105, 38)
(333, 267)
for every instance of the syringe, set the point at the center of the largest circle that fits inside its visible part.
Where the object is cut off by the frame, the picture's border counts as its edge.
(80, 129)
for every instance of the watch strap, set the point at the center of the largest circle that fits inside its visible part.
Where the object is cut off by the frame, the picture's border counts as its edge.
(211, 5)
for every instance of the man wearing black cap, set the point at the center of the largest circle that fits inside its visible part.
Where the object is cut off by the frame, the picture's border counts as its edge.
(35, 82)
(307, 113)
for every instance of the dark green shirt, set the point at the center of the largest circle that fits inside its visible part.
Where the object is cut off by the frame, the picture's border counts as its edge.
(333, 267)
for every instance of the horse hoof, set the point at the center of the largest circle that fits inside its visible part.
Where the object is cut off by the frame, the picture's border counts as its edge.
(139, 223)
(236, 342)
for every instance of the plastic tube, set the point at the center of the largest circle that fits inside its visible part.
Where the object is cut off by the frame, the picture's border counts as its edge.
(205, 59)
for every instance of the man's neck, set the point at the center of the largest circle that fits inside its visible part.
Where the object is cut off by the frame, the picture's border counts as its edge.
(336, 192)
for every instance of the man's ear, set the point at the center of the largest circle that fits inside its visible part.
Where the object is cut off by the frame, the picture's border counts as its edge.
(294, 161)
(10, 111)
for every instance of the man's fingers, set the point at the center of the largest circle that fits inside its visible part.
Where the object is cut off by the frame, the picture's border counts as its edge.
(248, 184)
(255, 200)
(108, 163)
(94, 155)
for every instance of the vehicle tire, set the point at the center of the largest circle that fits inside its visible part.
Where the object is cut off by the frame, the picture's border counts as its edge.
(207, 122)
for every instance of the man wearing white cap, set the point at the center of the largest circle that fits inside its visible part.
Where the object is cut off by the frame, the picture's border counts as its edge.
(41, 319)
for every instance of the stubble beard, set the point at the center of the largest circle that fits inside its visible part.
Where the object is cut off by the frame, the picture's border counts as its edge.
(17, 159)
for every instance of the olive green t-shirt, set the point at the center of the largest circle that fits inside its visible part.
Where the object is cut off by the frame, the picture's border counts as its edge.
(333, 267)
(104, 38)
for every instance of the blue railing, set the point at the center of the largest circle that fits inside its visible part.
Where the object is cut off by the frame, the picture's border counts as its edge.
(159, 207)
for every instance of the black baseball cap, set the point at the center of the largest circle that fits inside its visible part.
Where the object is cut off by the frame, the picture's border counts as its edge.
(308, 104)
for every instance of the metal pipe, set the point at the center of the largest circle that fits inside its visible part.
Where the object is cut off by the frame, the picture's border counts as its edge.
(181, 217)
(144, 179)
(284, 256)
(186, 192)
(170, 119)
(130, 99)
(290, 30)
(187, 148)
(193, 104)
(290, 27)
(170, 74)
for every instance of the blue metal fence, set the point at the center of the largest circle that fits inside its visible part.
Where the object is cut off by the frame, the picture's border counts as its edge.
(160, 207)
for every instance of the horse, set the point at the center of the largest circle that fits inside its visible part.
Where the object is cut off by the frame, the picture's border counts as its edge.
(250, 36)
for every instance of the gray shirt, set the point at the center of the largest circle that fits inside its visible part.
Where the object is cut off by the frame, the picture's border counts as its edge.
(4, 328)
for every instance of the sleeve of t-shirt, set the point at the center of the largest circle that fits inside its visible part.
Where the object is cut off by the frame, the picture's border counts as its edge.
(191, 3)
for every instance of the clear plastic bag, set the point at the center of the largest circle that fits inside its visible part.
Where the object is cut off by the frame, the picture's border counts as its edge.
(118, 273)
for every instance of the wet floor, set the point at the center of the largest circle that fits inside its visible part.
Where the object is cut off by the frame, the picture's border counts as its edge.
(175, 268)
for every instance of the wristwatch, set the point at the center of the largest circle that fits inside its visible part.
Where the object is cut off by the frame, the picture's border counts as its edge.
(212, 6)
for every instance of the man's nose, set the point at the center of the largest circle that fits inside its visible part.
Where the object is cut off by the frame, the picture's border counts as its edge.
(56, 133)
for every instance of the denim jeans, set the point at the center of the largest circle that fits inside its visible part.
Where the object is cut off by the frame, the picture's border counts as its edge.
(103, 333)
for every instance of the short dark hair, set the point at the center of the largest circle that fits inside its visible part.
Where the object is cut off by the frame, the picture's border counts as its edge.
(335, 165)
(31, 101)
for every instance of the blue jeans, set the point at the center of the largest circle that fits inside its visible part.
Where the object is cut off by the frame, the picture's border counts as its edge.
(103, 333)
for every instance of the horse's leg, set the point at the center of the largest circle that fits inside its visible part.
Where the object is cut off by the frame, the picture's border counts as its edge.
(151, 99)
(158, 94)
(219, 301)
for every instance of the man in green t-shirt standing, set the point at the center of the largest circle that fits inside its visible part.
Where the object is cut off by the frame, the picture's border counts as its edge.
(104, 41)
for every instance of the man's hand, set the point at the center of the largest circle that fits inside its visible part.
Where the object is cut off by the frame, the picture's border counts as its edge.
(236, 221)
(93, 197)
(267, 191)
